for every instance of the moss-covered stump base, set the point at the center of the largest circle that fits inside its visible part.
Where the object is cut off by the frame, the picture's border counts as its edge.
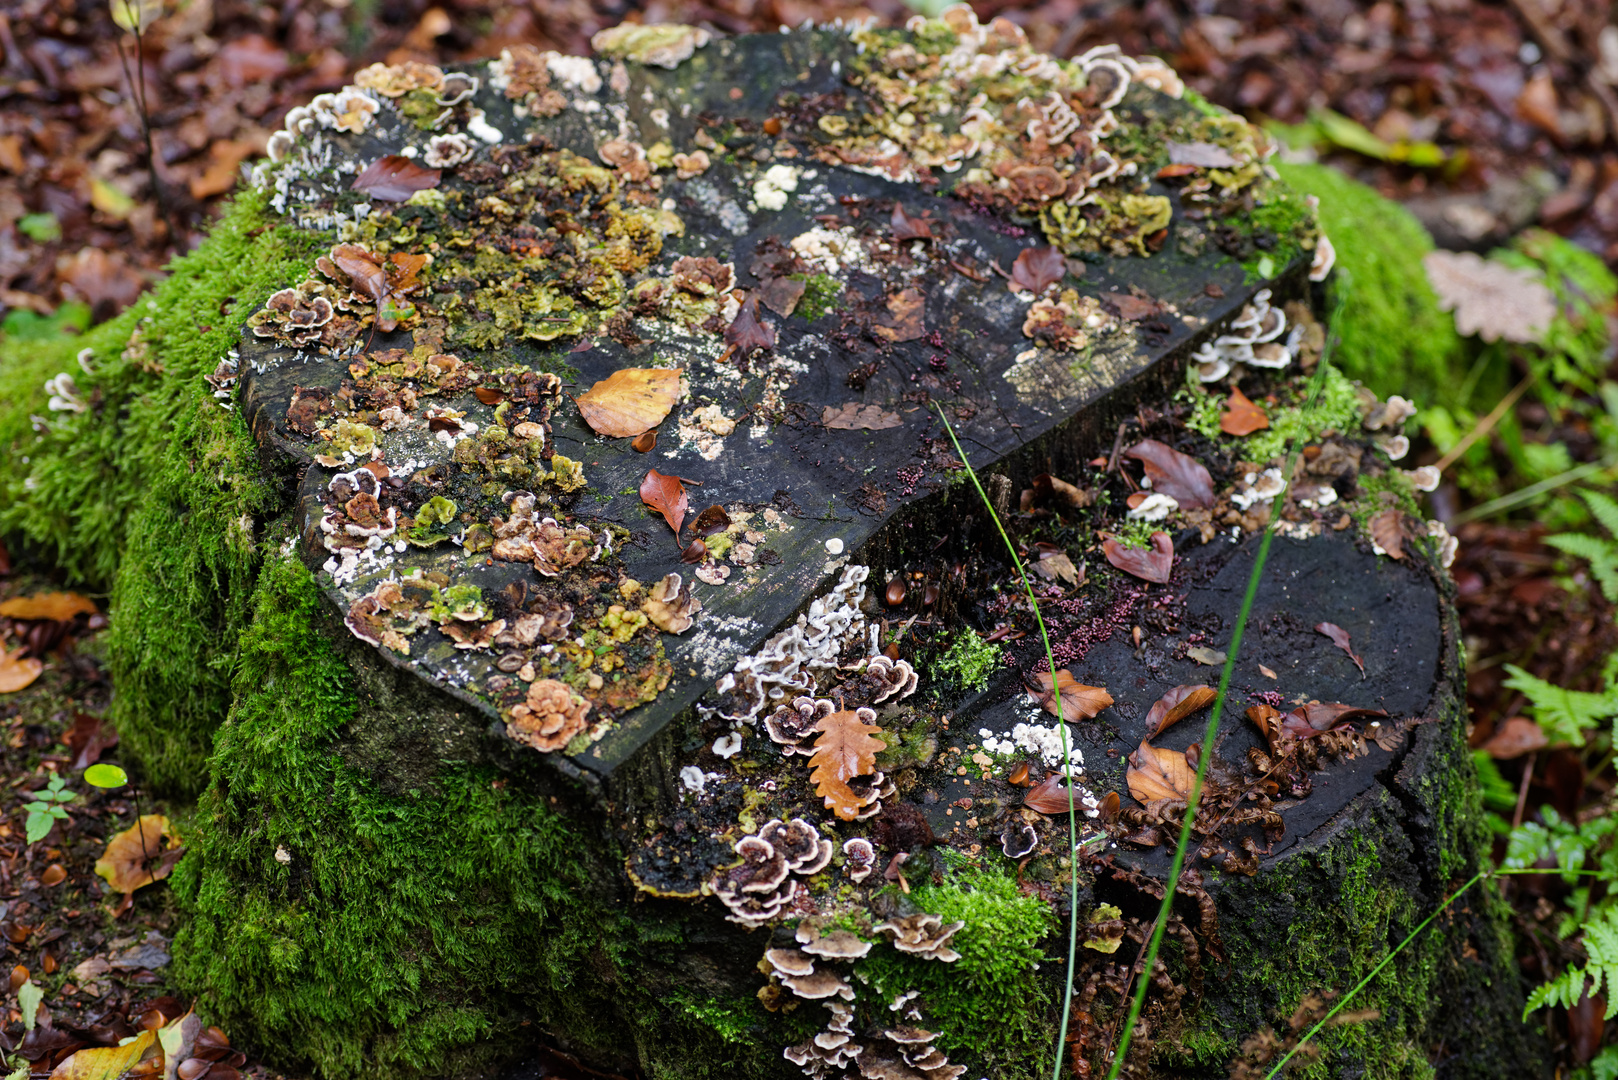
(509, 742)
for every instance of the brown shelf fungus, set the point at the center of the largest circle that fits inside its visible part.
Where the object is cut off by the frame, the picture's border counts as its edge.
(922, 935)
(549, 717)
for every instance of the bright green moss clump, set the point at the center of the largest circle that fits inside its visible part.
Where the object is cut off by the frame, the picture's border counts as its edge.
(1393, 337)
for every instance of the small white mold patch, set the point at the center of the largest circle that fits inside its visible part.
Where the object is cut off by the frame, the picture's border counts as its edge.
(710, 198)
(1035, 739)
(771, 191)
(729, 745)
(830, 251)
(478, 126)
(834, 546)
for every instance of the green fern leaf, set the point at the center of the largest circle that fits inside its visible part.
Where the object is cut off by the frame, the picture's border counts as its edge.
(1583, 545)
(1604, 508)
(1601, 946)
(1564, 714)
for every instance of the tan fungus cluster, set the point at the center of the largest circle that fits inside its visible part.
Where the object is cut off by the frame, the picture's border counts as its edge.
(550, 716)
(922, 935)
(759, 889)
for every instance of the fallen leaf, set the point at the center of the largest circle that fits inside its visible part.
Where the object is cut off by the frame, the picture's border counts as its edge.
(906, 227)
(395, 178)
(1388, 533)
(225, 159)
(1079, 702)
(1129, 307)
(1154, 565)
(104, 1062)
(54, 875)
(87, 738)
(1514, 738)
(18, 671)
(645, 442)
(1180, 476)
(847, 747)
(781, 295)
(903, 320)
(1206, 656)
(1339, 637)
(1053, 796)
(1176, 705)
(1056, 566)
(1158, 773)
(630, 401)
(1202, 155)
(1267, 673)
(136, 856)
(710, 521)
(1488, 298)
(1036, 269)
(747, 331)
(60, 606)
(1047, 487)
(1241, 416)
(488, 395)
(852, 416)
(1307, 721)
(667, 496)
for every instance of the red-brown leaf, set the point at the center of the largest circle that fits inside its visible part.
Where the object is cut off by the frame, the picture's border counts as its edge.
(906, 227)
(395, 178)
(1175, 474)
(87, 738)
(1514, 738)
(1176, 705)
(1309, 720)
(1036, 269)
(1387, 532)
(710, 521)
(1053, 796)
(747, 331)
(1339, 637)
(1154, 565)
(667, 496)
(1079, 702)
(365, 275)
(1241, 416)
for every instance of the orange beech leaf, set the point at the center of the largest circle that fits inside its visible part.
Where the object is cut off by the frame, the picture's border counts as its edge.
(1154, 565)
(1177, 475)
(1158, 773)
(1176, 705)
(60, 606)
(18, 671)
(1241, 416)
(667, 496)
(1037, 269)
(847, 747)
(137, 857)
(710, 521)
(1079, 702)
(630, 402)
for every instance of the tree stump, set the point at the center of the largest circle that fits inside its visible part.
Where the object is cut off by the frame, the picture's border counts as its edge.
(517, 750)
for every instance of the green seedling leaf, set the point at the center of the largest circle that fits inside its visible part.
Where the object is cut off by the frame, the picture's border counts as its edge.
(135, 15)
(41, 227)
(29, 998)
(102, 775)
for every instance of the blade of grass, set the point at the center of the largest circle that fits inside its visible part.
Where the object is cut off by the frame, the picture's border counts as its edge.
(1067, 758)
(1210, 731)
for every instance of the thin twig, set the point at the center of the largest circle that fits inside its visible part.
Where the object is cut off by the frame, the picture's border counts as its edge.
(1486, 425)
(1522, 789)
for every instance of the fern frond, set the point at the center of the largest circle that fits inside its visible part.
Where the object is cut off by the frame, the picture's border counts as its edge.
(1601, 946)
(1564, 714)
(1583, 545)
(1604, 508)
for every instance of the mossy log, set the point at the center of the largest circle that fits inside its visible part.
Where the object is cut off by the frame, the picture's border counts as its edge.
(478, 772)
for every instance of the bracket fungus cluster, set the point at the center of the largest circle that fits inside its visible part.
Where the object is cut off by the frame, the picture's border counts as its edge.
(760, 887)
(922, 935)
(882, 1053)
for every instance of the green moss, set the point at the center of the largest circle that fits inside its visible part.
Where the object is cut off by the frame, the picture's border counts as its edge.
(1337, 409)
(822, 295)
(991, 1002)
(1393, 337)
(969, 660)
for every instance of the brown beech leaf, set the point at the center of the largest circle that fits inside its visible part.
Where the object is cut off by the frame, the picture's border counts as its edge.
(1176, 705)
(630, 401)
(59, 606)
(695, 552)
(1053, 796)
(852, 416)
(1036, 269)
(1268, 721)
(137, 857)
(1307, 721)
(87, 738)
(1175, 474)
(1241, 416)
(781, 295)
(906, 227)
(1154, 565)
(667, 496)
(903, 319)
(747, 331)
(1388, 532)
(1079, 702)
(18, 671)
(488, 395)
(395, 178)
(1339, 637)
(365, 274)
(1048, 487)
(1129, 307)
(847, 747)
(645, 442)
(1514, 738)
(1158, 773)
(1056, 566)
(710, 521)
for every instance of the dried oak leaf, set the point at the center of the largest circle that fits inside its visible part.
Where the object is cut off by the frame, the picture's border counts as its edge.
(60, 606)
(903, 319)
(1154, 565)
(1388, 532)
(1241, 416)
(1079, 702)
(1514, 738)
(906, 227)
(852, 416)
(667, 496)
(747, 331)
(1176, 705)
(630, 401)
(395, 178)
(1489, 298)
(137, 857)
(1036, 269)
(1339, 637)
(1053, 796)
(18, 671)
(847, 747)
(1158, 773)
(1180, 476)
